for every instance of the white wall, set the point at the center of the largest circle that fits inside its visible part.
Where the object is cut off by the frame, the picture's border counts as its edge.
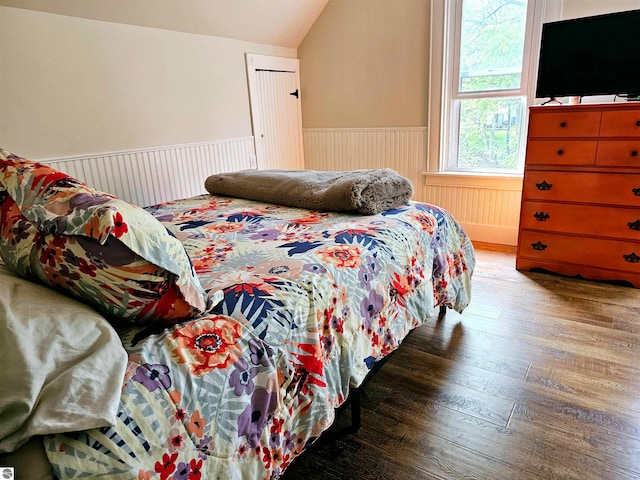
(586, 8)
(365, 63)
(72, 86)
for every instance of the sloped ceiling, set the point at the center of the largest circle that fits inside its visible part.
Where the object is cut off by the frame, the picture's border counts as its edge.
(282, 23)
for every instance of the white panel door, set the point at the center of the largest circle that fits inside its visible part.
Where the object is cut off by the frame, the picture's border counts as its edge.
(274, 87)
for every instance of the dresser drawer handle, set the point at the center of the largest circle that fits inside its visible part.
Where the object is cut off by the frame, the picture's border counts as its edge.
(547, 186)
(563, 124)
(634, 225)
(634, 153)
(543, 217)
(638, 123)
(636, 191)
(631, 258)
(539, 246)
(561, 152)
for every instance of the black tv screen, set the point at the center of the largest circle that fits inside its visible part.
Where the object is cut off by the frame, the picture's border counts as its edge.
(597, 55)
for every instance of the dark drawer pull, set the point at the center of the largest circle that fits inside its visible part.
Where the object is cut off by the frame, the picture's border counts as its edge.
(636, 191)
(634, 225)
(631, 258)
(539, 246)
(638, 123)
(543, 217)
(547, 186)
(561, 152)
(634, 153)
(563, 124)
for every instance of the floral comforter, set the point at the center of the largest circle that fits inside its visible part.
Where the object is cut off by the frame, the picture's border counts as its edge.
(310, 301)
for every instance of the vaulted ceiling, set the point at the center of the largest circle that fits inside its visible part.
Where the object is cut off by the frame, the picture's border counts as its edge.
(282, 23)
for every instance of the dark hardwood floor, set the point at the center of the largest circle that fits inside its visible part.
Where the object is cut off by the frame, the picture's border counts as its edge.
(539, 378)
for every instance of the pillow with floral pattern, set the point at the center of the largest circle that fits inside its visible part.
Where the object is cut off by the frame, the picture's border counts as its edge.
(109, 253)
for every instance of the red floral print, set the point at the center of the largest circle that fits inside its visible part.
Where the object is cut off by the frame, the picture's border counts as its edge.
(119, 225)
(167, 466)
(206, 344)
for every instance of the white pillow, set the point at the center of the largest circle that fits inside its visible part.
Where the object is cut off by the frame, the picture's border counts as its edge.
(62, 363)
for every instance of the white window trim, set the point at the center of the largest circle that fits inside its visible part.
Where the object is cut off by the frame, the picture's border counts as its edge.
(511, 182)
(441, 36)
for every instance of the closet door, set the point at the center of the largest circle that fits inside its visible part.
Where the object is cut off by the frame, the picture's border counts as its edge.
(276, 113)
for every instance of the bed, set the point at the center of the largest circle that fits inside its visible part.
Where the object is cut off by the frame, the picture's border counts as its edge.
(223, 364)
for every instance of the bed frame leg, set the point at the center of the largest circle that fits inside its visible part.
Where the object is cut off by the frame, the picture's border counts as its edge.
(356, 422)
(355, 394)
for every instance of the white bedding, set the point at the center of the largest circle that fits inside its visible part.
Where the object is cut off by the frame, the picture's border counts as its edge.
(62, 364)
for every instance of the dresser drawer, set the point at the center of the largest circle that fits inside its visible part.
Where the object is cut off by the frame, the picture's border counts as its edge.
(620, 123)
(561, 124)
(561, 152)
(595, 252)
(579, 187)
(623, 223)
(618, 153)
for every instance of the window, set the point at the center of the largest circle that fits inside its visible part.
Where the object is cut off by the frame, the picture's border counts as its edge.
(486, 84)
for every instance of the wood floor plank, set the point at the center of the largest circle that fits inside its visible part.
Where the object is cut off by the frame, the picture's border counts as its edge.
(621, 395)
(497, 362)
(539, 378)
(569, 435)
(434, 382)
(605, 396)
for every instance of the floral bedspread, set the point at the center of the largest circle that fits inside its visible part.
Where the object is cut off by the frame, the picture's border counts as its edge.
(310, 301)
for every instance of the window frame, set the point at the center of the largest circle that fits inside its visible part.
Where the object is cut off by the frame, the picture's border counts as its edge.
(444, 70)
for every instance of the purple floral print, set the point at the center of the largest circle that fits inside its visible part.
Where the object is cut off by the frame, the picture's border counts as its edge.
(153, 376)
(242, 377)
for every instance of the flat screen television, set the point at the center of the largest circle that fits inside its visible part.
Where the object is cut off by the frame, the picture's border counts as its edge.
(598, 55)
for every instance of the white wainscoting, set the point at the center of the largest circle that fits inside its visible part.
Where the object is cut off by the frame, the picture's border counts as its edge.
(487, 208)
(402, 149)
(154, 175)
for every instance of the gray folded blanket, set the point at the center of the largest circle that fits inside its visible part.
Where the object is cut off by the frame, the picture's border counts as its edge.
(364, 191)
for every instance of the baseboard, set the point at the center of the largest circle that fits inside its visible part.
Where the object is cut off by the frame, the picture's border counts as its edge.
(492, 234)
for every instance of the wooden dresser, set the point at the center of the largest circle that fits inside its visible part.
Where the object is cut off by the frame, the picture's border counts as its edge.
(580, 212)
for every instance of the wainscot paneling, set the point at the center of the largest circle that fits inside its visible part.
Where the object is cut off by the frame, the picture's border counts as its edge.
(402, 149)
(487, 207)
(154, 175)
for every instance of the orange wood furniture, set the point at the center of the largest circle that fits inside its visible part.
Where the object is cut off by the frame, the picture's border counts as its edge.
(580, 212)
